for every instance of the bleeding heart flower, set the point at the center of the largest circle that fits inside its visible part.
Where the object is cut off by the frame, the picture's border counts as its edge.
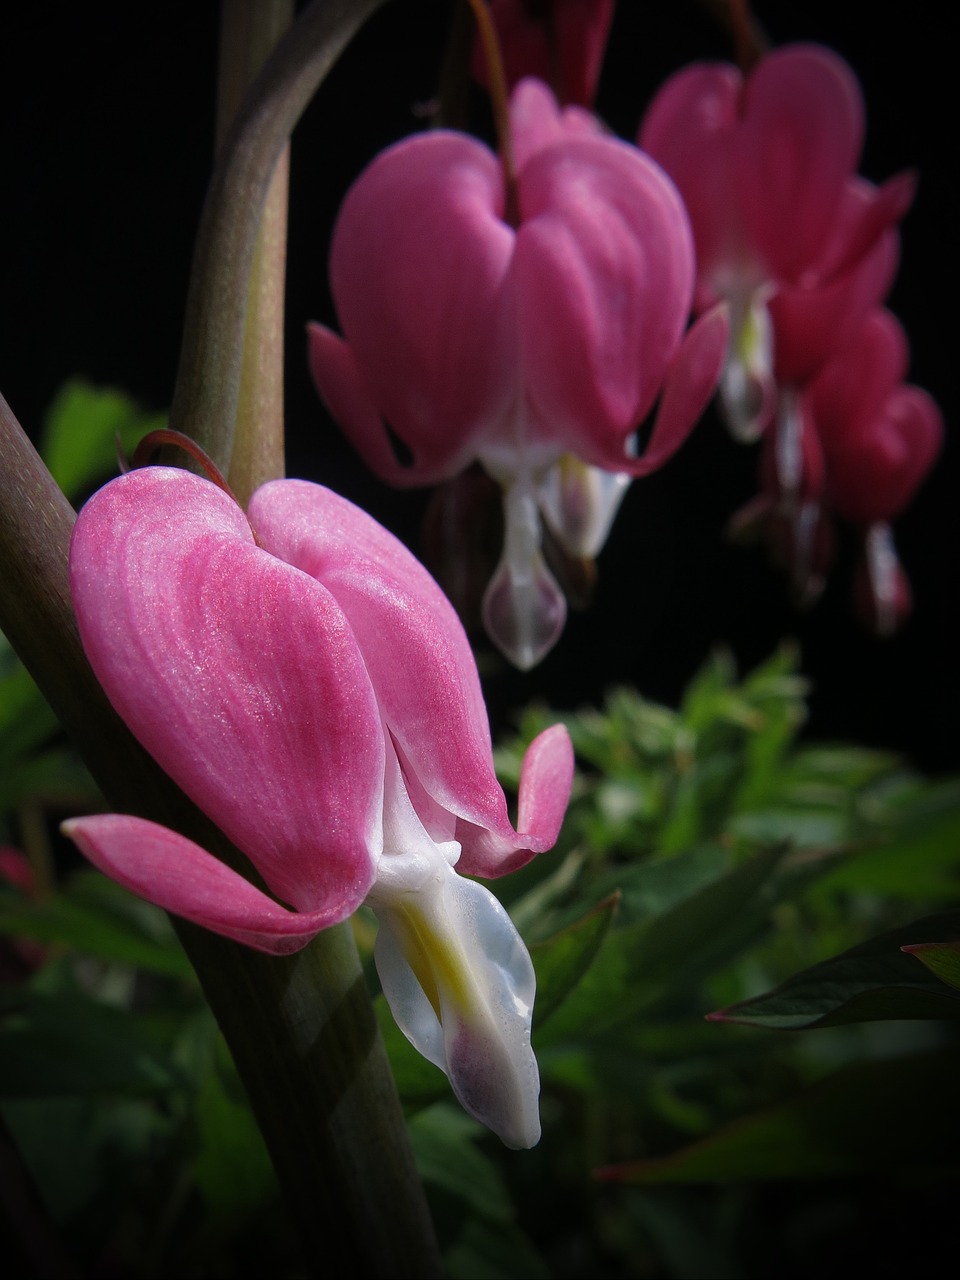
(313, 692)
(856, 443)
(766, 166)
(521, 337)
(559, 41)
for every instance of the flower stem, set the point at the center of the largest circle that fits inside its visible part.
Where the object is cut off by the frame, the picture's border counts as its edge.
(500, 101)
(301, 1028)
(208, 389)
(249, 31)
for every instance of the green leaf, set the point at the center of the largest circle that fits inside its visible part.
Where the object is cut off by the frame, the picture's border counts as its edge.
(897, 1115)
(494, 1251)
(941, 958)
(56, 777)
(232, 1167)
(874, 981)
(645, 963)
(919, 859)
(80, 434)
(97, 920)
(561, 961)
(56, 1046)
(25, 719)
(702, 930)
(446, 1156)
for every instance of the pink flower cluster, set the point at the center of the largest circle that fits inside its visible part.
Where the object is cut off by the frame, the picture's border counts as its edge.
(804, 251)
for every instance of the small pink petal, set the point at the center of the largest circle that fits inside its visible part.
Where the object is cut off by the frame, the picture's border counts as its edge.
(546, 777)
(877, 211)
(342, 389)
(176, 874)
(813, 324)
(691, 381)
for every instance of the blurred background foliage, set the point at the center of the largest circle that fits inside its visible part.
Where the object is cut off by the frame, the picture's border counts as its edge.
(714, 862)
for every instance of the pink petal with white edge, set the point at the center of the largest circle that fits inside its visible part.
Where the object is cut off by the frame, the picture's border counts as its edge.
(176, 874)
(418, 269)
(604, 270)
(240, 675)
(419, 662)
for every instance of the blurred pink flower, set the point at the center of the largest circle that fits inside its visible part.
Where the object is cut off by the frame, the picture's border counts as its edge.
(530, 342)
(561, 42)
(313, 692)
(858, 444)
(767, 168)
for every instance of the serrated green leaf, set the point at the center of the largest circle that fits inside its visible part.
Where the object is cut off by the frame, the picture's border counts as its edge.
(561, 961)
(897, 1114)
(872, 982)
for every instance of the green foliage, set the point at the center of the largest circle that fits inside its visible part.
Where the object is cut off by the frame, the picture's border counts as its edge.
(83, 430)
(830, 1129)
(875, 981)
(711, 859)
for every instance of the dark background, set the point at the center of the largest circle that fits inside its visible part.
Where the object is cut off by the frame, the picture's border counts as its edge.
(106, 115)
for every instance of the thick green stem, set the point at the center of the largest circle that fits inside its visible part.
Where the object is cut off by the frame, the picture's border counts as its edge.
(301, 1028)
(209, 377)
(249, 31)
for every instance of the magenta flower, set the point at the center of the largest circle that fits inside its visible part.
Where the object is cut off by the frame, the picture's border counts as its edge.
(766, 166)
(880, 437)
(860, 443)
(316, 696)
(561, 42)
(528, 343)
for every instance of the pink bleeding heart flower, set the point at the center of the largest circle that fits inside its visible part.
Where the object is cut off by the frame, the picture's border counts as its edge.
(529, 343)
(766, 166)
(559, 41)
(859, 444)
(880, 437)
(316, 696)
